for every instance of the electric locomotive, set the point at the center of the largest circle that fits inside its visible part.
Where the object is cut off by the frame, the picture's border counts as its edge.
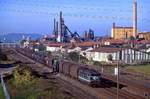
(89, 76)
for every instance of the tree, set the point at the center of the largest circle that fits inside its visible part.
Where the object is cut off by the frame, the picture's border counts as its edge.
(97, 63)
(83, 59)
(132, 38)
(3, 56)
(49, 53)
(74, 56)
(110, 58)
(22, 42)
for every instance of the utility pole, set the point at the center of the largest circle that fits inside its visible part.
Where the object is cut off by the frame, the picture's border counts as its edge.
(79, 56)
(118, 79)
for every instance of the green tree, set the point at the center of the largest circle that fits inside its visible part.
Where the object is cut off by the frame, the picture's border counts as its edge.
(22, 42)
(132, 38)
(110, 58)
(97, 63)
(74, 56)
(3, 57)
(49, 53)
(83, 59)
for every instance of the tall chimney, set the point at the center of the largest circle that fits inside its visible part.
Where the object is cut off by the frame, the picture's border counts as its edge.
(54, 31)
(134, 18)
(113, 30)
(61, 18)
(59, 39)
(57, 29)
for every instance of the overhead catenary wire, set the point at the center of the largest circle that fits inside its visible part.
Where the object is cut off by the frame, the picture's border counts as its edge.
(73, 15)
(46, 10)
(60, 6)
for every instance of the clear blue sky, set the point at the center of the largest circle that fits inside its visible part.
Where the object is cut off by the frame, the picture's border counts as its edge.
(36, 16)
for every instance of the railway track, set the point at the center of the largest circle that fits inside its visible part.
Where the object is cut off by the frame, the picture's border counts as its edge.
(106, 93)
(132, 86)
(81, 94)
(122, 93)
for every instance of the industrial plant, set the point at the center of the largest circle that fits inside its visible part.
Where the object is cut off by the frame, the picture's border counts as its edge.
(63, 34)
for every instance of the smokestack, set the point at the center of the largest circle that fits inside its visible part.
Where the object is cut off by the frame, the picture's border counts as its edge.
(54, 31)
(134, 18)
(114, 25)
(61, 19)
(113, 30)
(57, 29)
(59, 39)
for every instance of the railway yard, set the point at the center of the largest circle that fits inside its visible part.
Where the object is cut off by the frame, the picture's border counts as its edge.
(128, 88)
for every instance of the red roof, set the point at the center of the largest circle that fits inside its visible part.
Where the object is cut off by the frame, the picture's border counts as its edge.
(85, 44)
(56, 44)
(139, 42)
(113, 41)
(107, 49)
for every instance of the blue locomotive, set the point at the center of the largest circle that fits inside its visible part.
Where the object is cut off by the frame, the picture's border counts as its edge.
(89, 76)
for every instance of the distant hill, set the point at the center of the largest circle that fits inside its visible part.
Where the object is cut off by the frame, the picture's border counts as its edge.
(16, 37)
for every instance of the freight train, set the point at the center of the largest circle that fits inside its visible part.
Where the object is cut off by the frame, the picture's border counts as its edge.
(70, 69)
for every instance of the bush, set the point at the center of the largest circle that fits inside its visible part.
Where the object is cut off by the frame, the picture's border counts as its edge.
(22, 78)
(3, 57)
(97, 63)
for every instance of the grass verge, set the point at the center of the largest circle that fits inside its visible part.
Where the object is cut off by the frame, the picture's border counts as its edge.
(42, 89)
(140, 69)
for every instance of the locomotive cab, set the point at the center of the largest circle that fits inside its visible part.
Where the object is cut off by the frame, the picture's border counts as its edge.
(89, 76)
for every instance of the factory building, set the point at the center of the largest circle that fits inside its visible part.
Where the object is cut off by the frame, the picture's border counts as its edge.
(121, 32)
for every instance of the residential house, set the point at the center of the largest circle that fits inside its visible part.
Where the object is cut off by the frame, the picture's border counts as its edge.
(53, 47)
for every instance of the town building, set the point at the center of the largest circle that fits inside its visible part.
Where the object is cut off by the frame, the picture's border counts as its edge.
(144, 35)
(125, 55)
(54, 47)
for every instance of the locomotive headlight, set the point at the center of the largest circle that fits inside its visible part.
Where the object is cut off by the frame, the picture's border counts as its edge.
(95, 78)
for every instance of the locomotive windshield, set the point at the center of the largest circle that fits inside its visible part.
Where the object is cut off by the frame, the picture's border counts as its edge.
(95, 76)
